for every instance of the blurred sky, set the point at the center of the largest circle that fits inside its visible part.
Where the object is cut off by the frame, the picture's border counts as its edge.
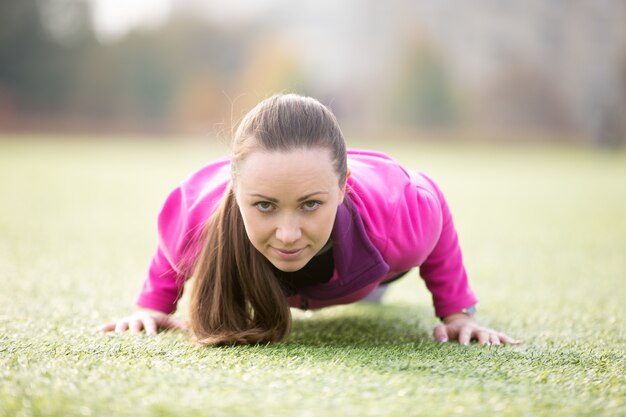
(113, 18)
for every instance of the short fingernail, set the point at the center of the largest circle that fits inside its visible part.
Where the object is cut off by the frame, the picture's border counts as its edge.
(442, 339)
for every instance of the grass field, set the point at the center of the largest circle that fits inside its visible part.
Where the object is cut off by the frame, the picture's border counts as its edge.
(543, 232)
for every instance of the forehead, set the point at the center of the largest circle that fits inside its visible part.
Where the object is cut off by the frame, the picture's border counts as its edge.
(298, 170)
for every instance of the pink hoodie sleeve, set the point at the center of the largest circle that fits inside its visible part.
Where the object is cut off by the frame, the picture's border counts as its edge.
(443, 270)
(163, 285)
(162, 288)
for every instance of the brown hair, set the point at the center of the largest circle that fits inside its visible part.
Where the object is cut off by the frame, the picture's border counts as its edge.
(236, 297)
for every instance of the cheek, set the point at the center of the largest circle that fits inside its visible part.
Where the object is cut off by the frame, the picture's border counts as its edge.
(256, 228)
(321, 226)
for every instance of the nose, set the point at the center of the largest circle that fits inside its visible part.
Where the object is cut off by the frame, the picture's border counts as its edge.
(288, 231)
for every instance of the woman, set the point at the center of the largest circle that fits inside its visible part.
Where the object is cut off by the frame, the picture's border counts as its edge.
(295, 220)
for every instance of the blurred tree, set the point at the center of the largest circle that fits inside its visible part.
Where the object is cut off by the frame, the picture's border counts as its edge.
(210, 61)
(67, 22)
(28, 71)
(522, 98)
(126, 81)
(51, 65)
(423, 94)
(197, 103)
(606, 110)
(273, 67)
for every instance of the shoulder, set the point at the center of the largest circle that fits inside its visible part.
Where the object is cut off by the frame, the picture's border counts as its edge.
(190, 204)
(400, 208)
(382, 184)
(360, 160)
(373, 169)
(204, 186)
(376, 177)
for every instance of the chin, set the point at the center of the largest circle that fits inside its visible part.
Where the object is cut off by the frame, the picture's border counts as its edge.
(289, 267)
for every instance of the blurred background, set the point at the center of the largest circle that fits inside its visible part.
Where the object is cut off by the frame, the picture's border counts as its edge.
(501, 70)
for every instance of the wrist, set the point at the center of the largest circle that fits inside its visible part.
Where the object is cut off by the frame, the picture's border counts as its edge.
(466, 313)
(151, 311)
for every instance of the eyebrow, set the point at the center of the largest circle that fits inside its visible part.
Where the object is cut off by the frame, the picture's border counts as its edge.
(274, 200)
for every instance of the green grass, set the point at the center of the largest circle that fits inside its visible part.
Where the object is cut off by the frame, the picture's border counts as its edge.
(543, 232)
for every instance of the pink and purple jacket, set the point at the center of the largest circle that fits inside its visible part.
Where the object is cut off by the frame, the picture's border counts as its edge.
(391, 221)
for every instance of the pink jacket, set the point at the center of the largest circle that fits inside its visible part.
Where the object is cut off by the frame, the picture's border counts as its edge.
(391, 221)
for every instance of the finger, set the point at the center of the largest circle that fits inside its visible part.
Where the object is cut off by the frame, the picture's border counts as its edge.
(483, 338)
(106, 327)
(121, 326)
(135, 326)
(508, 340)
(440, 333)
(150, 325)
(465, 335)
(494, 339)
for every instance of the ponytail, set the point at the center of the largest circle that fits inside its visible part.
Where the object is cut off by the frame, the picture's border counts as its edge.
(236, 297)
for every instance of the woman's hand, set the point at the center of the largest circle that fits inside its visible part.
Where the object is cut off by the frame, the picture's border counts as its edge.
(463, 328)
(149, 320)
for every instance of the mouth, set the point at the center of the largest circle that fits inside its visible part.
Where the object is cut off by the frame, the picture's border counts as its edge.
(288, 254)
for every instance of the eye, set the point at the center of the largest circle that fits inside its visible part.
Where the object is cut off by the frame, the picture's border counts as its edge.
(264, 206)
(311, 205)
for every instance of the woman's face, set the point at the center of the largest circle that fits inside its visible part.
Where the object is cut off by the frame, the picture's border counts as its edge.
(288, 201)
